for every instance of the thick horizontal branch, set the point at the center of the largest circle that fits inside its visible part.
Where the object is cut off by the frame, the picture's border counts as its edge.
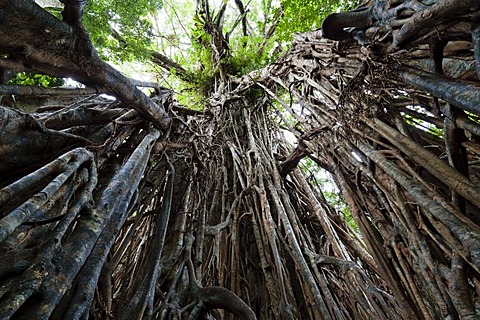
(458, 93)
(40, 91)
(49, 46)
(171, 66)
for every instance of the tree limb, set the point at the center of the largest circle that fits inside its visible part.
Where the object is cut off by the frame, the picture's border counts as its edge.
(73, 11)
(74, 55)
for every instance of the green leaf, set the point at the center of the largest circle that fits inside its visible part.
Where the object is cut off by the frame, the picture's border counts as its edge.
(121, 30)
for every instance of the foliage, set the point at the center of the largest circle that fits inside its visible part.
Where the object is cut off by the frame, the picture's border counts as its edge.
(191, 97)
(250, 53)
(121, 30)
(201, 61)
(185, 37)
(35, 79)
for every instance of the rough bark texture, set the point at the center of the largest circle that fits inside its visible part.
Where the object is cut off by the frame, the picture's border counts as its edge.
(104, 216)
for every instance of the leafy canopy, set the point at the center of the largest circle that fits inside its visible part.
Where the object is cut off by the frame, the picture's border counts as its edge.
(121, 30)
(128, 30)
(36, 79)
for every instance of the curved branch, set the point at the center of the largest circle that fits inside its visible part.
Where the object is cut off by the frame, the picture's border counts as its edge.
(73, 11)
(214, 297)
(221, 298)
(333, 27)
(293, 159)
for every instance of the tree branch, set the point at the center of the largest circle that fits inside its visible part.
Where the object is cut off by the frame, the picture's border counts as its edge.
(46, 45)
(73, 11)
(170, 65)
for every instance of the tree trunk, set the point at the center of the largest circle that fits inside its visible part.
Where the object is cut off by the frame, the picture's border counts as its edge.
(137, 208)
